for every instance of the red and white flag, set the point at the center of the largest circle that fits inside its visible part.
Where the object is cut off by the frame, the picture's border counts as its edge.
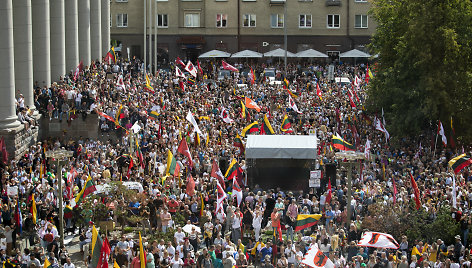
(315, 258)
(357, 81)
(183, 149)
(225, 116)
(227, 66)
(367, 149)
(220, 197)
(190, 190)
(191, 69)
(380, 126)
(442, 133)
(237, 192)
(329, 194)
(200, 71)
(217, 174)
(120, 82)
(293, 105)
(318, 91)
(179, 61)
(378, 240)
(178, 72)
(416, 192)
(78, 70)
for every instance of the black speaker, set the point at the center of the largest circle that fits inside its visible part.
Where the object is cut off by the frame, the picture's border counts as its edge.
(330, 174)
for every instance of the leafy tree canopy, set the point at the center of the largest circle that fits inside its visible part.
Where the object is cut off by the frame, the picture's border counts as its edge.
(424, 71)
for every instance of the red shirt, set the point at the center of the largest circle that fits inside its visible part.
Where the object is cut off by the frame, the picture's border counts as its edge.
(173, 205)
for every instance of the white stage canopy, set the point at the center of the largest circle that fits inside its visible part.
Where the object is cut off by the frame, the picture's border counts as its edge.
(281, 146)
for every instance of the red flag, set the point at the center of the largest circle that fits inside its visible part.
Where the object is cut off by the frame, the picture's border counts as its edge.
(318, 91)
(179, 61)
(131, 165)
(183, 149)
(200, 71)
(353, 105)
(78, 70)
(394, 191)
(330, 193)
(104, 254)
(182, 85)
(416, 192)
(216, 173)
(4, 151)
(227, 66)
(279, 231)
(355, 93)
(190, 186)
(367, 75)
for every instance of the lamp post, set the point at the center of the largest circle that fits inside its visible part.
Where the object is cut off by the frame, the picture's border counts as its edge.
(351, 158)
(60, 155)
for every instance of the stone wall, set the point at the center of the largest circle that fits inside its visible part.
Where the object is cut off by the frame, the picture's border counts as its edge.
(78, 127)
(18, 140)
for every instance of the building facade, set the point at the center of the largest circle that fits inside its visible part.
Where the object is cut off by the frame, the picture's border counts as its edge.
(187, 28)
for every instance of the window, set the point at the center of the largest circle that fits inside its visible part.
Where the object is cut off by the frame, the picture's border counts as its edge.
(221, 20)
(304, 21)
(333, 21)
(162, 21)
(192, 20)
(361, 21)
(277, 20)
(121, 20)
(249, 20)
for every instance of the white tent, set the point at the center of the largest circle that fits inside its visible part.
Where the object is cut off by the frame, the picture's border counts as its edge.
(215, 54)
(355, 53)
(281, 146)
(246, 54)
(310, 53)
(278, 53)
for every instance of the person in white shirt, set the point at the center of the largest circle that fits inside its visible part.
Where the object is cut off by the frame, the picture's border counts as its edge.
(170, 249)
(176, 262)
(179, 236)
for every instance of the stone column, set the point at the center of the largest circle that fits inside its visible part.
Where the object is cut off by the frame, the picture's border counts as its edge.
(84, 32)
(8, 118)
(41, 42)
(96, 29)
(58, 39)
(72, 35)
(105, 26)
(23, 40)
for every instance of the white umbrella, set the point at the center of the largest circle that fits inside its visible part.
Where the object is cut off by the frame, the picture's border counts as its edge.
(355, 53)
(310, 53)
(278, 53)
(215, 54)
(246, 54)
(188, 228)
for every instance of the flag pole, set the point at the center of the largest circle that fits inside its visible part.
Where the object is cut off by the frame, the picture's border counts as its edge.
(435, 143)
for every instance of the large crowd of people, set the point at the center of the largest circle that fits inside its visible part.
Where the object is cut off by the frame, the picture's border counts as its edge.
(223, 233)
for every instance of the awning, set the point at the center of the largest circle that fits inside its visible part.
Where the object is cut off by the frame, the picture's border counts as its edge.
(310, 53)
(278, 53)
(195, 40)
(215, 54)
(246, 54)
(281, 146)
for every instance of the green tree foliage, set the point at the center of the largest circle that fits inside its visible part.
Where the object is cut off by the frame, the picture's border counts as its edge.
(424, 69)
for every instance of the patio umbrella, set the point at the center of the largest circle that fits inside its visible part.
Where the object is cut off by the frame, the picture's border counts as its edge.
(279, 53)
(355, 53)
(310, 53)
(215, 54)
(188, 228)
(247, 54)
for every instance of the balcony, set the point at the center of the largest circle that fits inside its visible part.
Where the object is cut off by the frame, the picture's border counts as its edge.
(276, 2)
(330, 3)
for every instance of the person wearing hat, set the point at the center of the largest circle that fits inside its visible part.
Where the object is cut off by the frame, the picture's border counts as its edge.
(457, 248)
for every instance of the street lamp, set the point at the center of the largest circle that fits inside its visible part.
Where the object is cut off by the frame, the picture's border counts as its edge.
(351, 158)
(60, 155)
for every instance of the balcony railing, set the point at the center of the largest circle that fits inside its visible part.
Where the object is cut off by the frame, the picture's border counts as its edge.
(333, 3)
(276, 2)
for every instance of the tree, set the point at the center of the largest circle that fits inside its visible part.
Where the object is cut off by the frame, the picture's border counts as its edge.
(424, 71)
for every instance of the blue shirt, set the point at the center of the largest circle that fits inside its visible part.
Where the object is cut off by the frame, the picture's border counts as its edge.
(266, 251)
(329, 216)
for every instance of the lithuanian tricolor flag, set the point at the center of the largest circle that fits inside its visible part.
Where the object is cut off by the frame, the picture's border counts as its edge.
(286, 125)
(341, 144)
(266, 128)
(97, 243)
(460, 162)
(172, 167)
(306, 221)
(232, 169)
(87, 189)
(148, 83)
(285, 83)
(253, 127)
(153, 115)
(68, 212)
(111, 55)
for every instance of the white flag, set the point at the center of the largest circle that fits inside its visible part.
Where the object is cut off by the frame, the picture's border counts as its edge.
(367, 149)
(191, 69)
(136, 128)
(454, 194)
(442, 133)
(191, 119)
(225, 116)
(380, 126)
(237, 191)
(220, 196)
(293, 105)
(378, 240)
(315, 258)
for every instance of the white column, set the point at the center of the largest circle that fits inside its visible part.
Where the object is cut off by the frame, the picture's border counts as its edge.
(41, 42)
(23, 40)
(84, 32)
(105, 26)
(72, 35)
(58, 39)
(96, 29)
(8, 118)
